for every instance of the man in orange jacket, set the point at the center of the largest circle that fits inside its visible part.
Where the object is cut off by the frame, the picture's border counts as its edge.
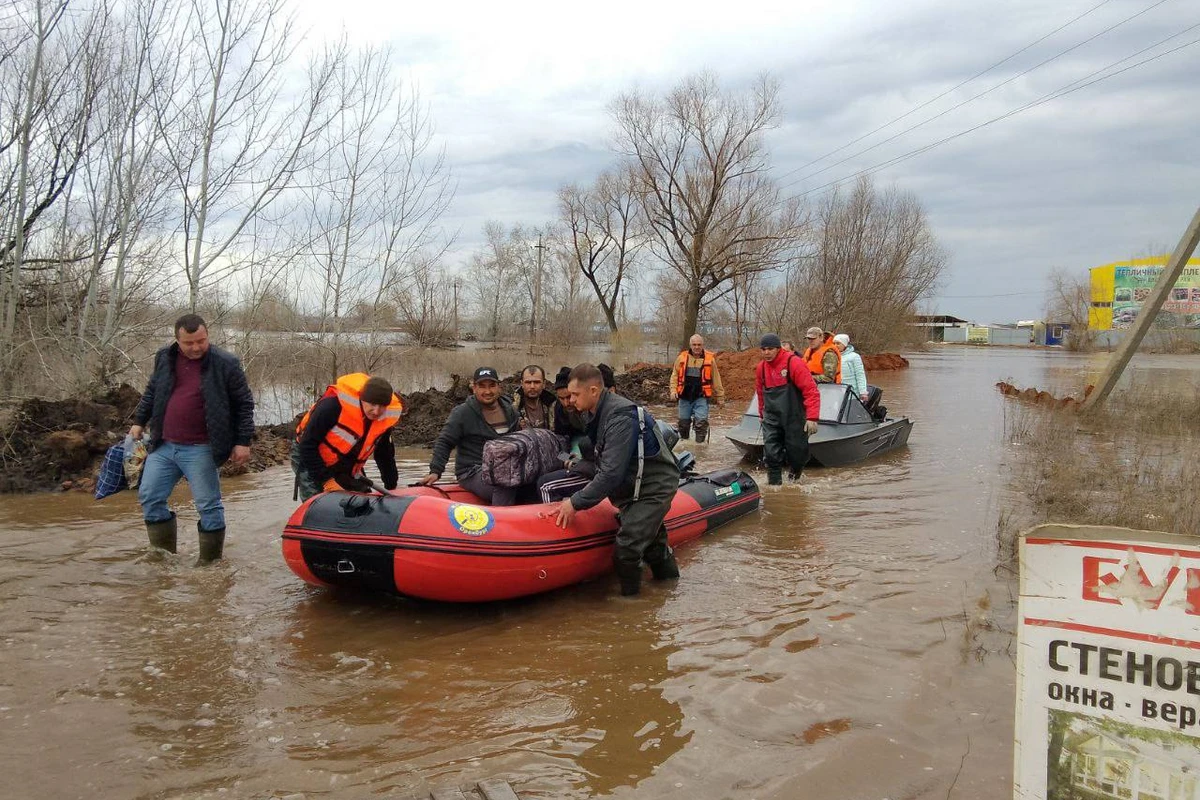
(349, 424)
(694, 382)
(822, 356)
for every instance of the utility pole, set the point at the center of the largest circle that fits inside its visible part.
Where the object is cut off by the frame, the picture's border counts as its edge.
(1147, 314)
(456, 336)
(537, 294)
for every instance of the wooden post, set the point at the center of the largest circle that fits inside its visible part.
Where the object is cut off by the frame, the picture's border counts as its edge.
(1149, 311)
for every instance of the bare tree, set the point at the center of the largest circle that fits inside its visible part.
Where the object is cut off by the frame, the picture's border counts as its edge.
(702, 178)
(1069, 300)
(376, 197)
(603, 234)
(492, 281)
(235, 131)
(425, 307)
(50, 65)
(875, 259)
(745, 289)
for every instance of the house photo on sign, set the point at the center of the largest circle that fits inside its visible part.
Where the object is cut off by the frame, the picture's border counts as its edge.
(1108, 665)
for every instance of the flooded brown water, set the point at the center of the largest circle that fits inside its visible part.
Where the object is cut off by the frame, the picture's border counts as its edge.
(849, 641)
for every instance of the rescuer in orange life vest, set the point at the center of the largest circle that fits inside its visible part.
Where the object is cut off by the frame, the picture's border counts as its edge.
(822, 356)
(695, 381)
(349, 424)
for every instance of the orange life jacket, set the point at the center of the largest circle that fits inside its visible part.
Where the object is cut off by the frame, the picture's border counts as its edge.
(343, 438)
(706, 372)
(816, 356)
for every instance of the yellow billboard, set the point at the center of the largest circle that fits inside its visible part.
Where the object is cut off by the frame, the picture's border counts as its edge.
(1120, 288)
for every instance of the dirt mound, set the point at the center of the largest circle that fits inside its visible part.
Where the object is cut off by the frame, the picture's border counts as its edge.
(59, 444)
(1042, 398)
(884, 361)
(737, 372)
(646, 383)
(737, 369)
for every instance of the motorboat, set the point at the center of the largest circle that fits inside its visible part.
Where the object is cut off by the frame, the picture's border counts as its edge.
(846, 430)
(441, 543)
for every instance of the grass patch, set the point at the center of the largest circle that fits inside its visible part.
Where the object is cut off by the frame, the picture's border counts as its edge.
(1134, 463)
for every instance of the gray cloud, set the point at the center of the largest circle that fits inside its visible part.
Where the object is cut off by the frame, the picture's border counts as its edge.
(1092, 177)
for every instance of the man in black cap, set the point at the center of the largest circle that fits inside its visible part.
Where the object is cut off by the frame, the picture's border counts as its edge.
(349, 424)
(789, 403)
(485, 415)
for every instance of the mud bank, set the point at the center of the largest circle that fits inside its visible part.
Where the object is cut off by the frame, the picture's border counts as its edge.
(59, 444)
(53, 445)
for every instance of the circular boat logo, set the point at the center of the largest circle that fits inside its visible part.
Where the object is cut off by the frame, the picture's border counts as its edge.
(471, 520)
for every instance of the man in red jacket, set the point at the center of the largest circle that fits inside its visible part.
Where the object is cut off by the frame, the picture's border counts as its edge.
(789, 404)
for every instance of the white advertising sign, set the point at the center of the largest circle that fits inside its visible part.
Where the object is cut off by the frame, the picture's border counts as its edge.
(1108, 665)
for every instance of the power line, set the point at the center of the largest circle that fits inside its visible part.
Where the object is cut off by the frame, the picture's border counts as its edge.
(951, 90)
(957, 106)
(1054, 95)
(983, 296)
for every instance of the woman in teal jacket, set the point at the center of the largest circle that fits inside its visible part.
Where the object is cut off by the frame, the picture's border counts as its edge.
(853, 372)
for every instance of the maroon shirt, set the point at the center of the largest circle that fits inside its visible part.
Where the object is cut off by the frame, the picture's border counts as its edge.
(184, 421)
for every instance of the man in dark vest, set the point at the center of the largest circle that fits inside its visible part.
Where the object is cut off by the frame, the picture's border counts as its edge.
(200, 414)
(634, 469)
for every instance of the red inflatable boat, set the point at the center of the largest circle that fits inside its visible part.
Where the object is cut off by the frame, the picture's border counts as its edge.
(440, 543)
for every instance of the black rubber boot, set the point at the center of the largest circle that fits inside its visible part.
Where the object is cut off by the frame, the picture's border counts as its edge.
(701, 431)
(685, 428)
(664, 568)
(774, 476)
(212, 544)
(630, 576)
(163, 533)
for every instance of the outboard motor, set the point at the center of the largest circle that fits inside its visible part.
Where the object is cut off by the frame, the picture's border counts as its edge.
(683, 459)
(877, 411)
(669, 434)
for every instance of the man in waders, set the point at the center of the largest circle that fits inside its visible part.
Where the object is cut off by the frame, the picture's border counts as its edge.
(694, 382)
(789, 403)
(351, 422)
(635, 470)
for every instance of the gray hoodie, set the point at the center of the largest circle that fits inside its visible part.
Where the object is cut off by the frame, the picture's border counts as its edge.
(466, 430)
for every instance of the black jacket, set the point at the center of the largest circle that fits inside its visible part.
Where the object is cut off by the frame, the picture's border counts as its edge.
(614, 430)
(467, 430)
(228, 403)
(325, 414)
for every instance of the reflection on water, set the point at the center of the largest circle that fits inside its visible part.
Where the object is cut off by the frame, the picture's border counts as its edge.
(848, 641)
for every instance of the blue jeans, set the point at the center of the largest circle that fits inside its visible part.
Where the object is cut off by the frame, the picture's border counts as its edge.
(693, 409)
(165, 466)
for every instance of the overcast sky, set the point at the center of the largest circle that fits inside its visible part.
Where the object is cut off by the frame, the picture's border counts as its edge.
(519, 91)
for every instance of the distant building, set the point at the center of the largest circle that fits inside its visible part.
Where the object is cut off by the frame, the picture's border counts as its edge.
(935, 326)
(1120, 288)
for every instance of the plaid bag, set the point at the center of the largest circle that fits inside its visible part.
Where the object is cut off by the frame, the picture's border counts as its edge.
(521, 457)
(112, 472)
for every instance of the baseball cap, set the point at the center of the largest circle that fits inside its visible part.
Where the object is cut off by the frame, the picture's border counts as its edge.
(486, 374)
